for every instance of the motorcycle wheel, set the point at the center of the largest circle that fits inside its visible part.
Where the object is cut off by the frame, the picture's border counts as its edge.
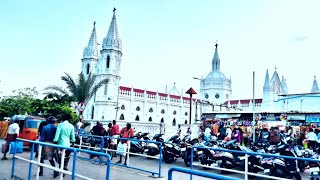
(203, 161)
(223, 166)
(301, 167)
(168, 158)
(187, 159)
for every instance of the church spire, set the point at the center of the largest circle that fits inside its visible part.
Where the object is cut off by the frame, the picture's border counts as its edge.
(216, 60)
(315, 87)
(112, 40)
(266, 85)
(91, 51)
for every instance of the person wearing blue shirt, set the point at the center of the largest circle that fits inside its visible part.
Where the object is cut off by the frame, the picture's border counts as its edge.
(47, 135)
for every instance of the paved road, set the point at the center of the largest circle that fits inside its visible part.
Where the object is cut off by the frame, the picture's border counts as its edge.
(96, 171)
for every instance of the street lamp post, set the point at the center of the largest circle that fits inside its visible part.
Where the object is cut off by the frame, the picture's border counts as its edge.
(202, 94)
(190, 92)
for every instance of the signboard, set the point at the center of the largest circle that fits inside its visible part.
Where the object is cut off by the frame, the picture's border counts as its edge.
(223, 116)
(81, 107)
(313, 118)
(296, 117)
(274, 117)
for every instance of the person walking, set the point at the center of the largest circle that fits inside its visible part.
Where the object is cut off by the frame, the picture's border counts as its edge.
(12, 134)
(114, 135)
(63, 136)
(47, 153)
(42, 124)
(126, 132)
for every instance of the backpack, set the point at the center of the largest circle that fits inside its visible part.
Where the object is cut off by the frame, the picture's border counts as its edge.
(223, 132)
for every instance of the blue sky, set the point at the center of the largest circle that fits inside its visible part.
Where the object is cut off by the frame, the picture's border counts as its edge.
(163, 41)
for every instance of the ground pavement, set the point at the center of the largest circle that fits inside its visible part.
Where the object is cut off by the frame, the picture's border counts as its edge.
(96, 171)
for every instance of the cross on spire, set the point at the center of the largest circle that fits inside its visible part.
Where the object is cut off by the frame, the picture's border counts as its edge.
(94, 24)
(275, 68)
(216, 44)
(114, 10)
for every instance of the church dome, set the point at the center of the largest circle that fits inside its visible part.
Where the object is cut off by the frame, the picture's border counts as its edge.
(216, 76)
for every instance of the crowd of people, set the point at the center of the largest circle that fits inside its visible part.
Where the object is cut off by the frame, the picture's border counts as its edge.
(113, 131)
(63, 134)
(308, 137)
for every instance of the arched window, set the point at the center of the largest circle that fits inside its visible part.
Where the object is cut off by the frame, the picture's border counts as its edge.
(88, 68)
(137, 118)
(162, 120)
(150, 110)
(138, 108)
(121, 117)
(108, 61)
(92, 112)
(186, 121)
(150, 119)
(174, 112)
(122, 107)
(162, 111)
(186, 114)
(174, 122)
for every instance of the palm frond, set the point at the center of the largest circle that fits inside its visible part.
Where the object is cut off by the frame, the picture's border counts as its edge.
(54, 89)
(72, 86)
(96, 87)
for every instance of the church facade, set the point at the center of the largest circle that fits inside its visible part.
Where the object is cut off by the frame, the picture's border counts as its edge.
(132, 104)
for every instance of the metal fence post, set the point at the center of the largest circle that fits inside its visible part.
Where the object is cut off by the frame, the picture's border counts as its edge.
(80, 145)
(160, 160)
(191, 161)
(246, 167)
(101, 149)
(127, 154)
(31, 158)
(62, 162)
(13, 161)
(38, 160)
(108, 167)
(74, 164)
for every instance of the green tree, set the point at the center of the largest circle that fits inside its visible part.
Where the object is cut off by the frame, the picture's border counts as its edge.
(81, 90)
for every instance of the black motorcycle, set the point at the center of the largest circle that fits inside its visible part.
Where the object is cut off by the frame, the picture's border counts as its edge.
(137, 146)
(172, 150)
(153, 149)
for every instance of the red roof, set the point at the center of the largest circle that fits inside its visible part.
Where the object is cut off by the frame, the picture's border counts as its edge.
(138, 90)
(243, 101)
(154, 93)
(151, 92)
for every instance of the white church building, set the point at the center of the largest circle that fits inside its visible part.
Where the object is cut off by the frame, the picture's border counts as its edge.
(171, 107)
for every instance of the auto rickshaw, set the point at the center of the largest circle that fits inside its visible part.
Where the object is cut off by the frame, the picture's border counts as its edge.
(28, 127)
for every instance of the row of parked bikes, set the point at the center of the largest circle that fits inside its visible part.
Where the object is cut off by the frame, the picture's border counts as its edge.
(180, 147)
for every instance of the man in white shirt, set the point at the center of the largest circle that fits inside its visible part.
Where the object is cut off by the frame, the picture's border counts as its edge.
(12, 134)
(312, 138)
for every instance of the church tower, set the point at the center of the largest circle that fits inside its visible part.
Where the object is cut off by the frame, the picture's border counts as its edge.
(90, 54)
(216, 87)
(266, 101)
(315, 87)
(106, 100)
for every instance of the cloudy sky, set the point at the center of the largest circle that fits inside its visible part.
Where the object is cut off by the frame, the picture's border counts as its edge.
(163, 41)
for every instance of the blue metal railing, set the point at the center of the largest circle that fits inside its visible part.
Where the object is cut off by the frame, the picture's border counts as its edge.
(74, 162)
(197, 173)
(246, 173)
(102, 150)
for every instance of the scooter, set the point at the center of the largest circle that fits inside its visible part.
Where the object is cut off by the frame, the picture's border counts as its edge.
(153, 149)
(136, 146)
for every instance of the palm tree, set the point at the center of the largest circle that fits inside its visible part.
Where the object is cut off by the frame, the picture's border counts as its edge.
(81, 90)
